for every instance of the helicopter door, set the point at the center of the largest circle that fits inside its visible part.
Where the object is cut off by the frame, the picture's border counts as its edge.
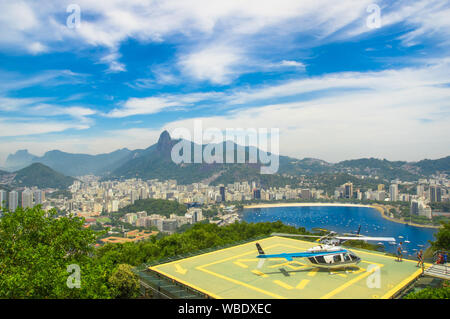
(329, 259)
(337, 259)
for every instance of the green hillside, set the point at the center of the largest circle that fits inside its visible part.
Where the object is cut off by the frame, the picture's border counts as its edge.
(42, 176)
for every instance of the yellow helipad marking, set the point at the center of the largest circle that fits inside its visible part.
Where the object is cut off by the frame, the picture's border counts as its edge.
(402, 284)
(313, 272)
(288, 263)
(259, 273)
(302, 284)
(237, 263)
(348, 283)
(180, 269)
(240, 262)
(283, 284)
(237, 282)
(338, 273)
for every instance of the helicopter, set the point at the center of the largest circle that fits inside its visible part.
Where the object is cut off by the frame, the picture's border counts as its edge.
(327, 255)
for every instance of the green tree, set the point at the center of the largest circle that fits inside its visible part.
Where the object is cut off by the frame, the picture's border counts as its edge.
(442, 238)
(124, 282)
(35, 250)
(430, 293)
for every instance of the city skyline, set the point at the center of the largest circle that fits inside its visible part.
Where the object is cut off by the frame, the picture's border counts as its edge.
(337, 86)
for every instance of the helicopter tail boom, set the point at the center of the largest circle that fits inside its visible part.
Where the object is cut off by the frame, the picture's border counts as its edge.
(260, 250)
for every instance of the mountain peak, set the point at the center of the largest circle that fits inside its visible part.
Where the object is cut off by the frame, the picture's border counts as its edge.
(164, 138)
(164, 141)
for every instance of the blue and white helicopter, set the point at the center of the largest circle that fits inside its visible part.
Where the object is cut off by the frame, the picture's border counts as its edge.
(327, 255)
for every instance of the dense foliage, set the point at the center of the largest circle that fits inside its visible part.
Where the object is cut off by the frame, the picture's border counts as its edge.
(442, 241)
(42, 176)
(430, 293)
(36, 250)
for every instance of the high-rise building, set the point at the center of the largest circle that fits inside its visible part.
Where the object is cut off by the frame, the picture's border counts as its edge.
(420, 190)
(197, 214)
(435, 193)
(13, 200)
(348, 190)
(414, 207)
(257, 194)
(380, 187)
(143, 193)
(222, 193)
(114, 205)
(306, 194)
(393, 192)
(3, 198)
(27, 198)
(38, 198)
(134, 196)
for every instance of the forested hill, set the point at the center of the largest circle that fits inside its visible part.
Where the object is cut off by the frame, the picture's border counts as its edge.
(41, 176)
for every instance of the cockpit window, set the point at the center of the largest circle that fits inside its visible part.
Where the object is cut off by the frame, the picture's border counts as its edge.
(337, 258)
(346, 257)
(320, 259)
(313, 260)
(353, 257)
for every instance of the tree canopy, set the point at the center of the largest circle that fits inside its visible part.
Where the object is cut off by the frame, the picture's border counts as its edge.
(39, 252)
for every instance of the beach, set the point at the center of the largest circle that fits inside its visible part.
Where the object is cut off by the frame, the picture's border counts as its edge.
(380, 209)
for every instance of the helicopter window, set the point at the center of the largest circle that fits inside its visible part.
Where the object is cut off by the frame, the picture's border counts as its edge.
(353, 257)
(346, 257)
(337, 258)
(320, 259)
(311, 259)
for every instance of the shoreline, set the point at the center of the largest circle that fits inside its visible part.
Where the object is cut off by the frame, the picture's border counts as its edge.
(380, 209)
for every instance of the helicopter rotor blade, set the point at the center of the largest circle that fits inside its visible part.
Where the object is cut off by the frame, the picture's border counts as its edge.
(294, 235)
(367, 238)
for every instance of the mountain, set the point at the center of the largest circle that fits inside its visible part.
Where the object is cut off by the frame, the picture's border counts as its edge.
(155, 162)
(72, 164)
(41, 176)
(84, 164)
(428, 167)
(18, 160)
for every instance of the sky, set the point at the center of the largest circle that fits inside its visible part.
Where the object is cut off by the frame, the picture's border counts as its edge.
(340, 79)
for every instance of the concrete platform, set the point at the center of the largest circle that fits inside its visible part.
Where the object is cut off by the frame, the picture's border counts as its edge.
(233, 273)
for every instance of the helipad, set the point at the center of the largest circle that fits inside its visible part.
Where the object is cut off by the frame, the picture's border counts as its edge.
(233, 273)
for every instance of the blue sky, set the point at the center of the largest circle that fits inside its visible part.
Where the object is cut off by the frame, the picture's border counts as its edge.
(335, 86)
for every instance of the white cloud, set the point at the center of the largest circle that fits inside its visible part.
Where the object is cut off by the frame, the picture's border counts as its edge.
(396, 114)
(216, 64)
(239, 28)
(11, 128)
(136, 106)
(155, 104)
(295, 64)
(111, 60)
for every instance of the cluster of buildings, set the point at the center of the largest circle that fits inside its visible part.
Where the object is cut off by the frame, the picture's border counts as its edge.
(427, 191)
(90, 197)
(29, 197)
(162, 223)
